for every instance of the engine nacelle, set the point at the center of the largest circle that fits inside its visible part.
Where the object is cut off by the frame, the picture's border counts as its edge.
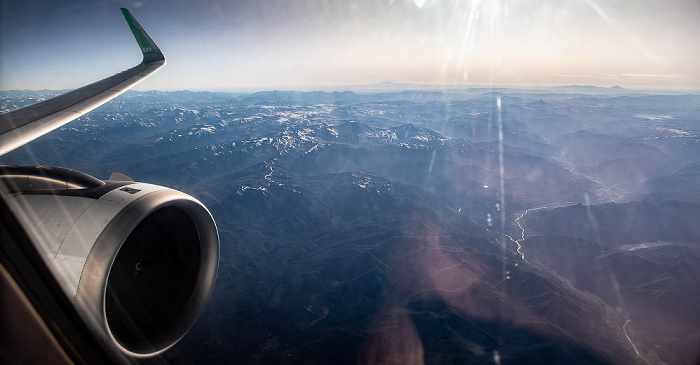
(139, 260)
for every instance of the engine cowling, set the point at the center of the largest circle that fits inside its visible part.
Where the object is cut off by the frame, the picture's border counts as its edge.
(139, 260)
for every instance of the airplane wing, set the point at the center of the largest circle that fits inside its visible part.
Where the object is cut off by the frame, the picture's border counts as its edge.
(27, 124)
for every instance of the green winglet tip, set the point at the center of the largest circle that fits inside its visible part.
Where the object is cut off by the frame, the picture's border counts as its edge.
(141, 39)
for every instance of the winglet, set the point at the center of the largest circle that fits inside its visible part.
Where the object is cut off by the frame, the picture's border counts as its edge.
(151, 52)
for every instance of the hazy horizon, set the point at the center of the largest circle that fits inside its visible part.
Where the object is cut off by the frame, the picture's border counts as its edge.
(276, 44)
(391, 86)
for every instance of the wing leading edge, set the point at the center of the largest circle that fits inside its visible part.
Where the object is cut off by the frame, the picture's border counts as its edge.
(24, 125)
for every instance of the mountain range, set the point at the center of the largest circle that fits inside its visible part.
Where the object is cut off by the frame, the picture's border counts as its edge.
(433, 226)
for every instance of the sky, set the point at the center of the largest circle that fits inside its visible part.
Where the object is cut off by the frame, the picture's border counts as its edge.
(325, 44)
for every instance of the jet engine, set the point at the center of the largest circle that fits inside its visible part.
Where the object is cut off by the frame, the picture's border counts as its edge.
(138, 260)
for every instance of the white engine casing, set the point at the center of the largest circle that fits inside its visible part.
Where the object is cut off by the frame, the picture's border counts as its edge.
(93, 243)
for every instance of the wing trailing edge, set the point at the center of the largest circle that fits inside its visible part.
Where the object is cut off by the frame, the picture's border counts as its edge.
(24, 125)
